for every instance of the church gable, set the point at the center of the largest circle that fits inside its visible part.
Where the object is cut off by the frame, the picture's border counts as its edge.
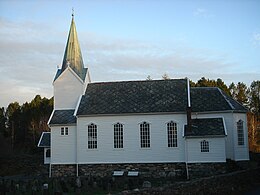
(67, 90)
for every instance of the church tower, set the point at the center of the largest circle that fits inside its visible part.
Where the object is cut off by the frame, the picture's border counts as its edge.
(72, 78)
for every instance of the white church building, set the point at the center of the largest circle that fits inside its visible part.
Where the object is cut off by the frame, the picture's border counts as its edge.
(137, 124)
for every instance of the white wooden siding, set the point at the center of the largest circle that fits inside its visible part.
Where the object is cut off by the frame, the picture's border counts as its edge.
(46, 159)
(233, 151)
(67, 90)
(132, 152)
(216, 150)
(63, 147)
(240, 152)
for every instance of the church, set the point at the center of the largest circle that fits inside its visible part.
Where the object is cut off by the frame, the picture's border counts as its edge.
(129, 127)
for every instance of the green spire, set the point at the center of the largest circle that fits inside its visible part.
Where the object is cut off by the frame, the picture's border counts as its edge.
(72, 56)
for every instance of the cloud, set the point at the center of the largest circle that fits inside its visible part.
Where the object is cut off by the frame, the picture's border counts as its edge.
(203, 13)
(28, 65)
(256, 38)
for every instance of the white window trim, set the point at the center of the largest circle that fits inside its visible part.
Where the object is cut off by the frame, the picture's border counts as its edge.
(88, 144)
(64, 131)
(239, 133)
(118, 148)
(167, 135)
(139, 132)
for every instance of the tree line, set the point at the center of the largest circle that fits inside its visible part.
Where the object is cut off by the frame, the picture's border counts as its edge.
(22, 124)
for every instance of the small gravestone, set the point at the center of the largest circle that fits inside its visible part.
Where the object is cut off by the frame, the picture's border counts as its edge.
(136, 190)
(94, 184)
(147, 184)
(78, 182)
(45, 186)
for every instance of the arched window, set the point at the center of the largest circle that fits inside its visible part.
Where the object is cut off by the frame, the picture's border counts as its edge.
(204, 146)
(92, 136)
(172, 134)
(240, 133)
(145, 135)
(118, 135)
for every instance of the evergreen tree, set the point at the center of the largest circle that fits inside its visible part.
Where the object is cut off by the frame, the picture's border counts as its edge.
(3, 122)
(255, 97)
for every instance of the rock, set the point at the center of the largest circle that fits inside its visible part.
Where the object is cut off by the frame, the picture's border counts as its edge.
(147, 184)
(171, 174)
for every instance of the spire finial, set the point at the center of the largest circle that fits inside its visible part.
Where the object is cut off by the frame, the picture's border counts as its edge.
(72, 12)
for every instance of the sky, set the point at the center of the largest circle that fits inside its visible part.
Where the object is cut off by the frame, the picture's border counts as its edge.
(127, 40)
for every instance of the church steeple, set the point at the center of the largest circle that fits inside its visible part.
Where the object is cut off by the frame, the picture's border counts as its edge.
(72, 55)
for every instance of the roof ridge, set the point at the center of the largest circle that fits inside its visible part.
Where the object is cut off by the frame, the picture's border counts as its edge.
(223, 95)
(205, 87)
(101, 82)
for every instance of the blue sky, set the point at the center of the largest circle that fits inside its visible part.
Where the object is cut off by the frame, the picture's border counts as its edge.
(127, 40)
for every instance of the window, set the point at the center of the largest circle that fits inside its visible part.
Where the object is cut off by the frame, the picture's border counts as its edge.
(92, 136)
(240, 133)
(48, 153)
(172, 134)
(204, 146)
(118, 135)
(145, 135)
(64, 131)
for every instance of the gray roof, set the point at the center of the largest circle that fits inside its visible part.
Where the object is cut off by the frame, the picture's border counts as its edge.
(45, 140)
(63, 117)
(134, 97)
(205, 99)
(206, 127)
(152, 97)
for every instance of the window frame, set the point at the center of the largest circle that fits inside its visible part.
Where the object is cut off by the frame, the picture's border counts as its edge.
(64, 131)
(118, 135)
(92, 136)
(145, 135)
(172, 134)
(240, 133)
(204, 146)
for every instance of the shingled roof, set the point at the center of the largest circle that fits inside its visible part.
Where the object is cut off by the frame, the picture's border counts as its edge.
(45, 140)
(205, 99)
(134, 97)
(156, 96)
(63, 117)
(206, 127)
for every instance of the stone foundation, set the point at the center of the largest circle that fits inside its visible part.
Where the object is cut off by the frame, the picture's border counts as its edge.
(149, 170)
(176, 170)
(63, 170)
(206, 169)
